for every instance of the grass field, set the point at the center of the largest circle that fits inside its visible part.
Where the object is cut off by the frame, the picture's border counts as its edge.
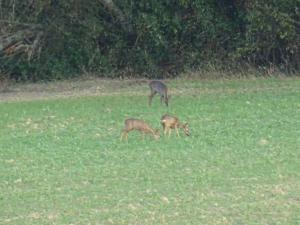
(61, 161)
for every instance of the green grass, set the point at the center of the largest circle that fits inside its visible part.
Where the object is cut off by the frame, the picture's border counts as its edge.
(61, 161)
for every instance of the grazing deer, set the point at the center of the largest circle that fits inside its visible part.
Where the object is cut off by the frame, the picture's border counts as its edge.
(171, 122)
(141, 126)
(160, 88)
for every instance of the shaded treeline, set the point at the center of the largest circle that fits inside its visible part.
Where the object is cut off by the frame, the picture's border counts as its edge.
(55, 39)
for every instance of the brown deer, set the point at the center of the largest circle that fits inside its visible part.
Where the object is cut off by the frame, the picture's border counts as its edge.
(160, 88)
(171, 122)
(139, 125)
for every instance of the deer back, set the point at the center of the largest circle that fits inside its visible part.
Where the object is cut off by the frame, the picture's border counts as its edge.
(159, 87)
(169, 121)
(137, 124)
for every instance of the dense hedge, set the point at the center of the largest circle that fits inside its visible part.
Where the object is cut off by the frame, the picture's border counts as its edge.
(152, 38)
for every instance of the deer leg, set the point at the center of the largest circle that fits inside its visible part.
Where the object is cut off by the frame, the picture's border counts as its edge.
(166, 100)
(153, 134)
(164, 128)
(170, 131)
(124, 133)
(165, 131)
(151, 96)
(176, 128)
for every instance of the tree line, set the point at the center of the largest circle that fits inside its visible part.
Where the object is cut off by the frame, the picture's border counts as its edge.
(58, 39)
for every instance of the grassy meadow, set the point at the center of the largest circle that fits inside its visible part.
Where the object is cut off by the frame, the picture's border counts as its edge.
(61, 160)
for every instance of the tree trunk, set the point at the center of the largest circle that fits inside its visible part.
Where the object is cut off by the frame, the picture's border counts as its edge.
(22, 41)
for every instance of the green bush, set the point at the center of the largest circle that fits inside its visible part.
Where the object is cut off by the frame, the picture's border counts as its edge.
(167, 37)
(272, 33)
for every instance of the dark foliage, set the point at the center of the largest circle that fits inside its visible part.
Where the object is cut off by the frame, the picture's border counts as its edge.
(149, 38)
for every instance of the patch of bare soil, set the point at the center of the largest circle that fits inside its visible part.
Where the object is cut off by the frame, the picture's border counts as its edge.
(100, 87)
(65, 89)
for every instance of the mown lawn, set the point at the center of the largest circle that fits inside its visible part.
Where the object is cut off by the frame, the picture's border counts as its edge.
(61, 160)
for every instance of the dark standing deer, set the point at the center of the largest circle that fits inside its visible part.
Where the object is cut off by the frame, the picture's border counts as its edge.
(171, 122)
(139, 125)
(160, 88)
